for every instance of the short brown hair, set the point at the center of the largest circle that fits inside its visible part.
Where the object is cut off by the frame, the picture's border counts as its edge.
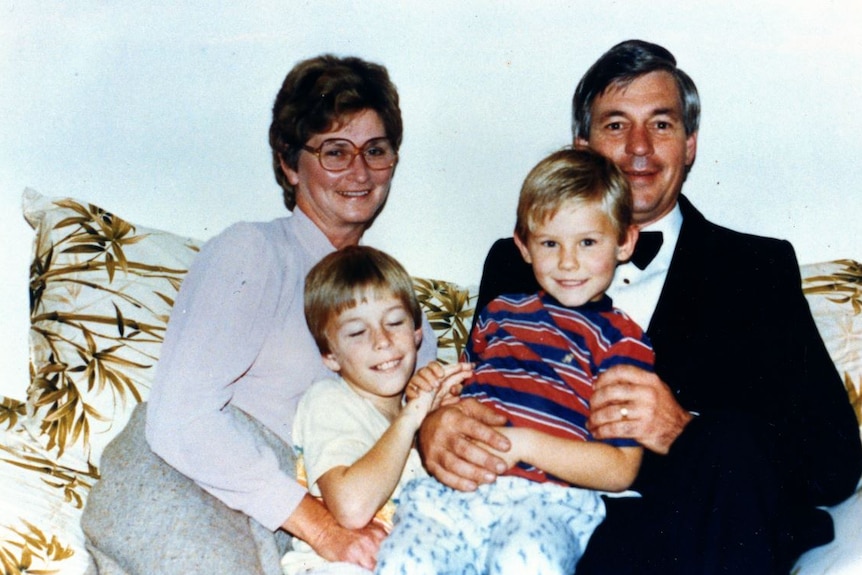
(318, 94)
(576, 174)
(344, 278)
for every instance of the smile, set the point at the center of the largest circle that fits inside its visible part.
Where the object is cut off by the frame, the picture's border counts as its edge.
(387, 365)
(356, 194)
(571, 283)
(640, 173)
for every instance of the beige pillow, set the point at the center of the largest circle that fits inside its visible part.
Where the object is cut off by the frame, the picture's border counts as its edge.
(101, 290)
(835, 298)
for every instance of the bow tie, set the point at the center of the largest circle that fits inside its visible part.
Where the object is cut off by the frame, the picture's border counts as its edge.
(646, 249)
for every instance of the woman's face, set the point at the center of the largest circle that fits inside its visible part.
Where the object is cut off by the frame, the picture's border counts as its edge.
(342, 204)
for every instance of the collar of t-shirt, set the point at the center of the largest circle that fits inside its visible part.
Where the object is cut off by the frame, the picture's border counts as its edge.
(636, 291)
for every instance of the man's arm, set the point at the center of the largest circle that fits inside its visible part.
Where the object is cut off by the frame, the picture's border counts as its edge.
(629, 402)
(819, 414)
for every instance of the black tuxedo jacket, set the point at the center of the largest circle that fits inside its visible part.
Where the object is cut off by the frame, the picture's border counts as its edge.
(733, 333)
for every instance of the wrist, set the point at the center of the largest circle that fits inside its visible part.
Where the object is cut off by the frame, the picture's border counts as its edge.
(411, 416)
(310, 521)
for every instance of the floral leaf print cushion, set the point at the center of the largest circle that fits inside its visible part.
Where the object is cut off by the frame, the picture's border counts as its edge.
(101, 291)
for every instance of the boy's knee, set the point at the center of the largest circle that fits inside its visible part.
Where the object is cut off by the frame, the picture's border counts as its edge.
(547, 547)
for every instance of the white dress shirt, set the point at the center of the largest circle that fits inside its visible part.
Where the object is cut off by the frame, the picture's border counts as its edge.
(636, 291)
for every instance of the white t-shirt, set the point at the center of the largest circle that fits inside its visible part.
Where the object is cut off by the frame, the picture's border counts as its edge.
(335, 426)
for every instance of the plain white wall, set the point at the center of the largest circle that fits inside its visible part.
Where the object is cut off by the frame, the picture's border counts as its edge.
(159, 111)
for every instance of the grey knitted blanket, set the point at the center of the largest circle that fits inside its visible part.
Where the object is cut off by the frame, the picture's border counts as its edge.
(144, 517)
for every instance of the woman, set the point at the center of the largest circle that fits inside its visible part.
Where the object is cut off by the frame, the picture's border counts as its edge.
(237, 354)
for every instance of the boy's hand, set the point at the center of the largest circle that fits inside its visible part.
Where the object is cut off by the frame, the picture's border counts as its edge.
(435, 385)
(444, 380)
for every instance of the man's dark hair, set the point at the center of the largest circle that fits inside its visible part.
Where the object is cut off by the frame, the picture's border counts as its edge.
(621, 65)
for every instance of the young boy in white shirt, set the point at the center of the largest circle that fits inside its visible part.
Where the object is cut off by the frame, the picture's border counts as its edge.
(354, 434)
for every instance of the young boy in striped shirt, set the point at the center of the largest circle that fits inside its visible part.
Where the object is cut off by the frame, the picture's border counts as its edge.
(536, 357)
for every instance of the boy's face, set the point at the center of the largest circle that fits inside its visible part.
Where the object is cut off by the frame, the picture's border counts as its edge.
(374, 347)
(574, 253)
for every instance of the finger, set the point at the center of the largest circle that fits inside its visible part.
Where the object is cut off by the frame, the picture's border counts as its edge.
(484, 414)
(451, 369)
(430, 377)
(452, 480)
(450, 381)
(461, 474)
(621, 391)
(450, 440)
(425, 379)
(620, 428)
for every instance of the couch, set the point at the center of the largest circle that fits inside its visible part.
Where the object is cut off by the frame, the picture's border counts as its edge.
(101, 292)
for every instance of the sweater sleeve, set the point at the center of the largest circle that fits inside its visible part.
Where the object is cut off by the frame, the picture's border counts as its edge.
(221, 317)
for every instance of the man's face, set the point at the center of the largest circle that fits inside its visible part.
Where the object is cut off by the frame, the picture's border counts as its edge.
(640, 128)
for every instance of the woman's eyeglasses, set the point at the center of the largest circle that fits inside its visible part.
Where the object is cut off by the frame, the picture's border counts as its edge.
(337, 155)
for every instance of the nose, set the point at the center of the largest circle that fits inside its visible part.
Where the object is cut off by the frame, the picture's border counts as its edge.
(568, 259)
(639, 141)
(358, 168)
(381, 338)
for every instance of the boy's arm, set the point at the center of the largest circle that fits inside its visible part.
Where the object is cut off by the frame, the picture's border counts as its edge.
(590, 464)
(354, 493)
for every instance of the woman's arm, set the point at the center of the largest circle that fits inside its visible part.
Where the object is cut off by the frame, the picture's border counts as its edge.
(312, 523)
(590, 464)
(223, 315)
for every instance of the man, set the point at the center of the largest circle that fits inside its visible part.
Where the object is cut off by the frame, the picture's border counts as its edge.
(746, 424)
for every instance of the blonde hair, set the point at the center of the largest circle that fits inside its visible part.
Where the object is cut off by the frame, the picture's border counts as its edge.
(345, 278)
(573, 174)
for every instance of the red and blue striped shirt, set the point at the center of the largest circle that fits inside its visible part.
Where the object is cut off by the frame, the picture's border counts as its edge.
(536, 361)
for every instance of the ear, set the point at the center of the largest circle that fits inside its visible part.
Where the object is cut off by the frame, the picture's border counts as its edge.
(330, 361)
(291, 174)
(522, 247)
(581, 143)
(627, 247)
(690, 149)
(417, 336)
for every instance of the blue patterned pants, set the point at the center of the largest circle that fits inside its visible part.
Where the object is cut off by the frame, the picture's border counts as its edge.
(512, 526)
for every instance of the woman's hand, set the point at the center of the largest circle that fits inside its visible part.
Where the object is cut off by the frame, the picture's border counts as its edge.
(357, 546)
(629, 402)
(313, 523)
(451, 441)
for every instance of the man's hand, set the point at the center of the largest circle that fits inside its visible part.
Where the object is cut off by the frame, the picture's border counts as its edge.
(629, 402)
(312, 523)
(451, 439)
